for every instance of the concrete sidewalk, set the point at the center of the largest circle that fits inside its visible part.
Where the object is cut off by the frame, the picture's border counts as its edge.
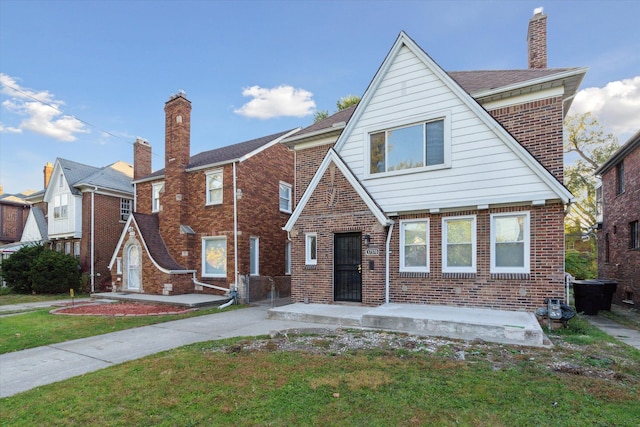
(619, 332)
(24, 370)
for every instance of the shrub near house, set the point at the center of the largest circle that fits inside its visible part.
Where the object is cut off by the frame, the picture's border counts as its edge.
(33, 269)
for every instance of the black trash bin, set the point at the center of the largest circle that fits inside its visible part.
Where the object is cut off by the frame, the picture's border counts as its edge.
(588, 295)
(608, 290)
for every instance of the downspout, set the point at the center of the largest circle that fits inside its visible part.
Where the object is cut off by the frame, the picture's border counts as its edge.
(135, 198)
(387, 269)
(235, 228)
(93, 241)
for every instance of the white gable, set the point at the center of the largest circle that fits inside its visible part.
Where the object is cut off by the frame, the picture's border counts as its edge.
(483, 163)
(31, 231)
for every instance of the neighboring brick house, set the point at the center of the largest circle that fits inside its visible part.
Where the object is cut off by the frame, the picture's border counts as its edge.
(208, 222)
(619, 233)
(14, 210)
(436, 188)
(81, 212)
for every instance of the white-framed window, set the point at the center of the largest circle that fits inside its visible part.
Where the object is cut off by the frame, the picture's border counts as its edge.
(156, 191)
(67, 248)
(510, 242)
(408, 147)
(76, 249)
(125, 209)
(287, 258)
(119, 265)
(214, 187)
(311, 249)
(254, 256)
(459, 244)
(285, 197)
(414, 245)
(61, 206)
(58, 246)
(214, 257)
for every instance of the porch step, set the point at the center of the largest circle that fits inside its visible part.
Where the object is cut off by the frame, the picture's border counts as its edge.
(341, 315)
(508, 327)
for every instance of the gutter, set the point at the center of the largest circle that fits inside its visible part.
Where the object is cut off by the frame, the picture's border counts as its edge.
(387, 269)
(93, 238)
(235, 228)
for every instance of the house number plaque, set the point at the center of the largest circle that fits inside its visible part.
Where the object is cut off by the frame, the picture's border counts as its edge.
(372, 251)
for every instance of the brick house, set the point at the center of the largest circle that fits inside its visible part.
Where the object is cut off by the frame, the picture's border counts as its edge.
(208, 222)
(437, 188)
(81, 211)
(13, 215)
(618, 234)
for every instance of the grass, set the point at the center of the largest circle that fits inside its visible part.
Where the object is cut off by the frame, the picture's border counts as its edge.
(8, 298)
(39, 327)
(221, 383)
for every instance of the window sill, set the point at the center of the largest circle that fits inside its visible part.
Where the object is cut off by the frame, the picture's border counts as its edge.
(415, 274)
(458, 275)
(310, 267)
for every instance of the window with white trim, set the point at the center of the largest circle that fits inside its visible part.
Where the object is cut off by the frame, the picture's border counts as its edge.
(414, 245)
(76, 249)
(254, 256)
(287, 258)
(214, 187)
(418, 145)
(214, 257)
(459, 244)
(118, 265)
(61, 206)
(311, 249)
(67, 248)
(285, 197)
(510, 241)
(156, 191)
(125, 209)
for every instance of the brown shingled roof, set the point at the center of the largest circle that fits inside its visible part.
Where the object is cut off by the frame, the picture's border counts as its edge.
(476, 81)
(150, 230)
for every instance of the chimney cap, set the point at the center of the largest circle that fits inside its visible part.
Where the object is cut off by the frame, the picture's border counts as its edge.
(538, 11)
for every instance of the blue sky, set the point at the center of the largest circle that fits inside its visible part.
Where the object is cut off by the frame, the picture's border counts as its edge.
(102, 70)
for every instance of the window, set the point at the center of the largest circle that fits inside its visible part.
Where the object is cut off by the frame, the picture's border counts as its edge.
(67, 248)
(76, 249)
(156, 190)
(311, 249)
(214, 256)
(414, 245)
(634, 243)
(254, 256)
(61, 181)
(118, 265)
(459, 244)
(214, 187)
(620, 178)
(60, 206)
(510, 243)
(409, 147)
(58, 246)
(125, 209)
(287, 258)
(285, 197)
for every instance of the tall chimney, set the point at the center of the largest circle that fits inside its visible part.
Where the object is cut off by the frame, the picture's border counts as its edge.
(48, 170)
(175, 199)
(141, 159)
(537, 39)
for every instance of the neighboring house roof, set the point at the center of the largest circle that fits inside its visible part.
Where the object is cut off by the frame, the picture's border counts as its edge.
(333, 157)
(149, 228)
(622, 152)
(228, 154)
(116, 176)
(41, 222)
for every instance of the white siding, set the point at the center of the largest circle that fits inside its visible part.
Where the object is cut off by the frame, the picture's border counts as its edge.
(484, 170)
(72, 224)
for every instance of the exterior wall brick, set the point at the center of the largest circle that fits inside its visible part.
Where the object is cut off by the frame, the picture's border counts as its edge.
(108, 228)
(619, 210)
(537, 125)
(307, 162)
(510, 292)
(12, 220)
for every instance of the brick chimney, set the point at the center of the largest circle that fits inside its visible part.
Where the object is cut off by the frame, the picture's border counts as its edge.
(141, 159)
(48, 170)
(537, 39)
(175, 200)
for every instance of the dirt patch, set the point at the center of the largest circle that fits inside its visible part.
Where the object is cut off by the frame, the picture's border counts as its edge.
(120, 309)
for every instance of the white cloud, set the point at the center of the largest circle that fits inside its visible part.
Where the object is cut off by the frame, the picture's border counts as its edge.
(41, 111)
(277, 102)
(617, 105)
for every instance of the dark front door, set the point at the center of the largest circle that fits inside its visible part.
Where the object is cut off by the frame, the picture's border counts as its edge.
(347, 268)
